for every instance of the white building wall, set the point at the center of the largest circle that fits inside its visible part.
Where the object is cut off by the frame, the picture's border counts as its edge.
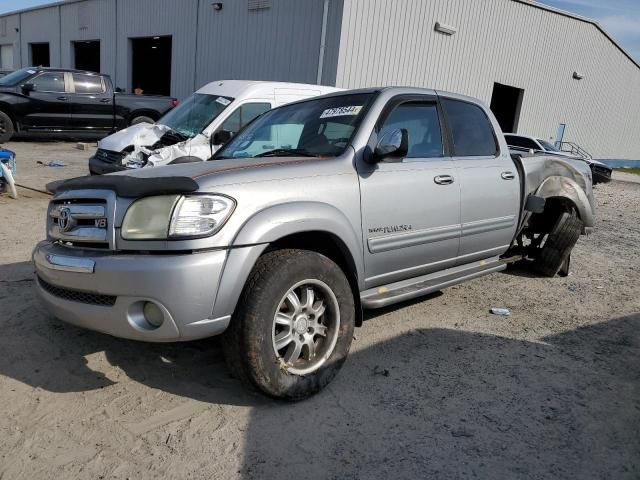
(280, 43)
(391, 42)
(89, 20)
(10, 38)
(40, 26)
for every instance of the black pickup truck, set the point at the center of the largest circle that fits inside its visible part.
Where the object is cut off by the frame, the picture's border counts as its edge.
(54, 100)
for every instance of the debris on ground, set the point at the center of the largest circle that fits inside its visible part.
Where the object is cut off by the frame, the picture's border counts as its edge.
(504, 312)
(8, 172)
(380, 371)
(52, 164)
(84, 145)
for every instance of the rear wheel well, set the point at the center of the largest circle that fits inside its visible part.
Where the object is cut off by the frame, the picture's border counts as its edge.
(142, 113)
(331, 247)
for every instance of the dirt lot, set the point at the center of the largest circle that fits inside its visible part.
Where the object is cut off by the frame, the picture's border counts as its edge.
(437, 388)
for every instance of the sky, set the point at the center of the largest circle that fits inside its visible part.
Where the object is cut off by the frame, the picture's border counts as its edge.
(621, 18)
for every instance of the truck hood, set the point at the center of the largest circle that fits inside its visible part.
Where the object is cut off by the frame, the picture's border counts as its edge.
(201, 171)
(140, 135)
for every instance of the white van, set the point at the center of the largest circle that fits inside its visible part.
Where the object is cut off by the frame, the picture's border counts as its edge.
(197, 127)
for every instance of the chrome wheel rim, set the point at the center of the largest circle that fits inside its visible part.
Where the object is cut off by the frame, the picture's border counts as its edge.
(305, 327)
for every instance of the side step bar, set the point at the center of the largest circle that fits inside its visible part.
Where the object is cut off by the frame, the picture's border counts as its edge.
(419, 286)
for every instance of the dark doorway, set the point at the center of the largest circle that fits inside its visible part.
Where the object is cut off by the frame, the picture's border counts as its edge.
(86, 55)
(40, 54)
(506, 102)
(151, 65)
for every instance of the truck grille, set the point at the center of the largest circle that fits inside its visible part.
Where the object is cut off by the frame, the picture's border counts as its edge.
(80, 222)
(78, 295)
(109, 156)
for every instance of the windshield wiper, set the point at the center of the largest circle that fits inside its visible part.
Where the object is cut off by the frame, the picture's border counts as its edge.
(286, 152)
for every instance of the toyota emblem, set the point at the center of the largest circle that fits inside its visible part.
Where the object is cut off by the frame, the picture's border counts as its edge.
(64, 220)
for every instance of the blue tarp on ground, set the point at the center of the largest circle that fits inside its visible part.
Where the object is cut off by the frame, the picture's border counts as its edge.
(8, 158)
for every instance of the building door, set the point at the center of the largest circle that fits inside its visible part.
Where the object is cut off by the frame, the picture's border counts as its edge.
(6, 57)
(86, 55)
(151, 65)
(40, 54)
(506, 102)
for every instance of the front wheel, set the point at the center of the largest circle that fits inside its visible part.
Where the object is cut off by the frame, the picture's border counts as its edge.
(293, 326)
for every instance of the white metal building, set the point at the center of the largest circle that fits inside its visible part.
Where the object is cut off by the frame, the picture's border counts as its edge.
(543, 71)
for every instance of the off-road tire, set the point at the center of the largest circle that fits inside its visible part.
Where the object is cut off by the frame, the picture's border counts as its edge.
(247, 343)
(142, 119)
(6, 128)
(556, 250)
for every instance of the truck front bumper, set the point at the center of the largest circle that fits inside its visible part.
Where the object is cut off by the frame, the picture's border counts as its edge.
(107, 291)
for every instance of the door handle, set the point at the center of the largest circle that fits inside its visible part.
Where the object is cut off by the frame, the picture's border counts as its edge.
(105, 100)
(507, 175)
(443, 179)
(63, 99)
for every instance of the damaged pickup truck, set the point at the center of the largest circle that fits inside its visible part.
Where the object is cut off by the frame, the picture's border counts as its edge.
(196, 128)
(313, 212)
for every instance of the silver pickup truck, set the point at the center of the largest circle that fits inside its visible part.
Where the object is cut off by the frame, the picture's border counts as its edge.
(313, 212)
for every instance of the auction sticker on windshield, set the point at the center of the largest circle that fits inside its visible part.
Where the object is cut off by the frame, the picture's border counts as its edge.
(341, 111)
(223, 101)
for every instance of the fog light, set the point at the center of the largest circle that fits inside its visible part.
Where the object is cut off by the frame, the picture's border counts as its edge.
(153, 314)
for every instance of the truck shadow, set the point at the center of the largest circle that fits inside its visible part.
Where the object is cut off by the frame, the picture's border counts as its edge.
(428, 403)
(439, 403)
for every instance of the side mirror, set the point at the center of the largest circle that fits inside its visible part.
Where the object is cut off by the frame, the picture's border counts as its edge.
(221, 137)
(28, 87)
(392, 144)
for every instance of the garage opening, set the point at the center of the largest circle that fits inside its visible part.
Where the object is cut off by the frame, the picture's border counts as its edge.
(151, 65)
(40, 54)
(506, 102)
(86, 55)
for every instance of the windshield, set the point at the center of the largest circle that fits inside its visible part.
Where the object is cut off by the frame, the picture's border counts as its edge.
(321, 127)
(195, 114)
(547, 146)
(16, 77)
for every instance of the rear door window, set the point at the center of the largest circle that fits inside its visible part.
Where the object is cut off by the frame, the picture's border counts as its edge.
(472, 133)
(87, 83)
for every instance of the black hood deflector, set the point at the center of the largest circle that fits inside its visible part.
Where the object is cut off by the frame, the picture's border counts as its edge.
(129, 187)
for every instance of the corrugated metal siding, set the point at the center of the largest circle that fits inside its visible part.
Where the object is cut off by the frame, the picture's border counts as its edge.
(386, 42)
(41, 26)
(90, 20)
(9, 36)
(145, 18)
(277, 43)
(332, 42)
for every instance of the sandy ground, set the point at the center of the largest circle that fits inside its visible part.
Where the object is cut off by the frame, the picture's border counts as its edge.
(436, 388)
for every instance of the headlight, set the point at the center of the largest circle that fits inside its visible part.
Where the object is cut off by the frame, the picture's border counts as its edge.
(175, 217)
(200, 215)
(148, 218)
